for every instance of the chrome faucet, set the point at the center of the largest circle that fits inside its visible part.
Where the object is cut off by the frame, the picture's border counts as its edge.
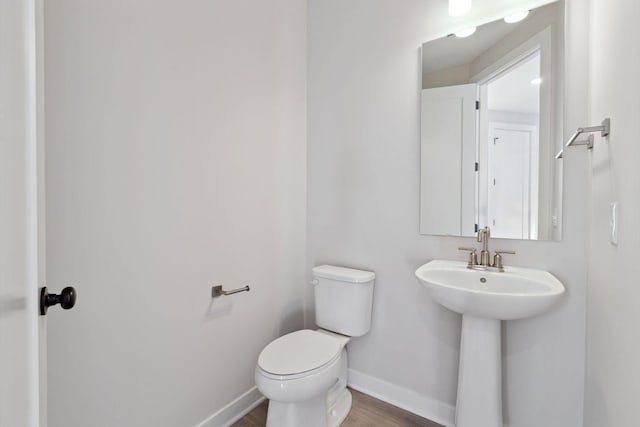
(485, 255)
(483, 237)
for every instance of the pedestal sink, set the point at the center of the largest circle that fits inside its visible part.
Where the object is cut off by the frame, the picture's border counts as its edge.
(484, 297)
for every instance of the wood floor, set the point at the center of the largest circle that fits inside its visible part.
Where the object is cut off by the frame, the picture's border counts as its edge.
(365, 412)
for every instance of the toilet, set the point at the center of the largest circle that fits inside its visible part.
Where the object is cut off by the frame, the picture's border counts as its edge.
(304, 373)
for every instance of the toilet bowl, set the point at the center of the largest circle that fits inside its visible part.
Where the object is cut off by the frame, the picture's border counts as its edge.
(304, 373)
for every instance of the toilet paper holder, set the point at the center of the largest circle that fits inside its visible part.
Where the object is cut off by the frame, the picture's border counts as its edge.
(217, 291)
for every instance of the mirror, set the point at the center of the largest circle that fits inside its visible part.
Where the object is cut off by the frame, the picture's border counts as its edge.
(491, 124)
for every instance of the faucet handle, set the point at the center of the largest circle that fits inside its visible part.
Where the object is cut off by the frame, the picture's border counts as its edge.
(484, 234)
(497, 258)
(473, 256)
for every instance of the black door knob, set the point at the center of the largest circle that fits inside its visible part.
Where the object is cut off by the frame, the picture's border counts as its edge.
(66, 299)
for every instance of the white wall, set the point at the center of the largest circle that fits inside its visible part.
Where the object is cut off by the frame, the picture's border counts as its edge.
(613, 374)
(175, 161)
(363, 200)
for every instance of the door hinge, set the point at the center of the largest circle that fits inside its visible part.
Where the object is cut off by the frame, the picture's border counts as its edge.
(476, 228)
(476, 166)
(477, 105)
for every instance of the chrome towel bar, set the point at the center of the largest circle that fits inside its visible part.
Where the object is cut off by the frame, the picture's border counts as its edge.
(604, 130)
(588, 142)
(217, 291)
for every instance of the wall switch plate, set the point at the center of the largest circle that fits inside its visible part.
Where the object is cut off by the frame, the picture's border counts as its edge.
(613, 224)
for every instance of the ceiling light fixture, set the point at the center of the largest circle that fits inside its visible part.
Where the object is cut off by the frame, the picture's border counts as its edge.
(459, 7)
(466, 32)
(537, 81)
(516, 17)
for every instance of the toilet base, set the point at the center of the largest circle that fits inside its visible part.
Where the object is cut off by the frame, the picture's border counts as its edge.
(338, 412)
(328, 410)
(311, 413)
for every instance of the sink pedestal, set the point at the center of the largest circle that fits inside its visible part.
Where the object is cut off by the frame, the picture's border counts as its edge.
(484, 298)
(479, 400)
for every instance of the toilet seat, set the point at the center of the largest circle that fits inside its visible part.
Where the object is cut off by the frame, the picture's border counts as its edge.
(298, 354)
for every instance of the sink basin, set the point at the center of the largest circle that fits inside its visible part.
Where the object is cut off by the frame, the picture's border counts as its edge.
(515, 293)
(484, 297)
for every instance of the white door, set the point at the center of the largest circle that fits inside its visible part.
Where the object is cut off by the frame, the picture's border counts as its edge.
(510, 181)
(448, 189)
(19, 232)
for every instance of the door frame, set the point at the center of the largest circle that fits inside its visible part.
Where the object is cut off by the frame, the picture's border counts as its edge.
(25, 65)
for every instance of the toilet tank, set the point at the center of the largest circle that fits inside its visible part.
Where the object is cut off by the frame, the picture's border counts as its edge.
(343, 299)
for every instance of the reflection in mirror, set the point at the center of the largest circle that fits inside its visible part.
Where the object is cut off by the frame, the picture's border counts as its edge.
(491, 124)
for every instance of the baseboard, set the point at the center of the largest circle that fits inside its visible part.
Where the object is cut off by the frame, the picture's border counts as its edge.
(403, 398)
(235, 410)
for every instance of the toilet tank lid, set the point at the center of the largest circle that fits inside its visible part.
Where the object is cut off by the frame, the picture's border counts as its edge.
(343, 274)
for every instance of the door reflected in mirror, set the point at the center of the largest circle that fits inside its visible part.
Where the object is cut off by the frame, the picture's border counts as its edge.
(491, 124)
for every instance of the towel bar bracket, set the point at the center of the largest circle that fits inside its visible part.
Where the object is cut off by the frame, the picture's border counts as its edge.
(604, 129)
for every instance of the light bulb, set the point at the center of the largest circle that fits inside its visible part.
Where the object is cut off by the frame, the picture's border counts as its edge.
(466, 32)
(459, 7)
(516, 17)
